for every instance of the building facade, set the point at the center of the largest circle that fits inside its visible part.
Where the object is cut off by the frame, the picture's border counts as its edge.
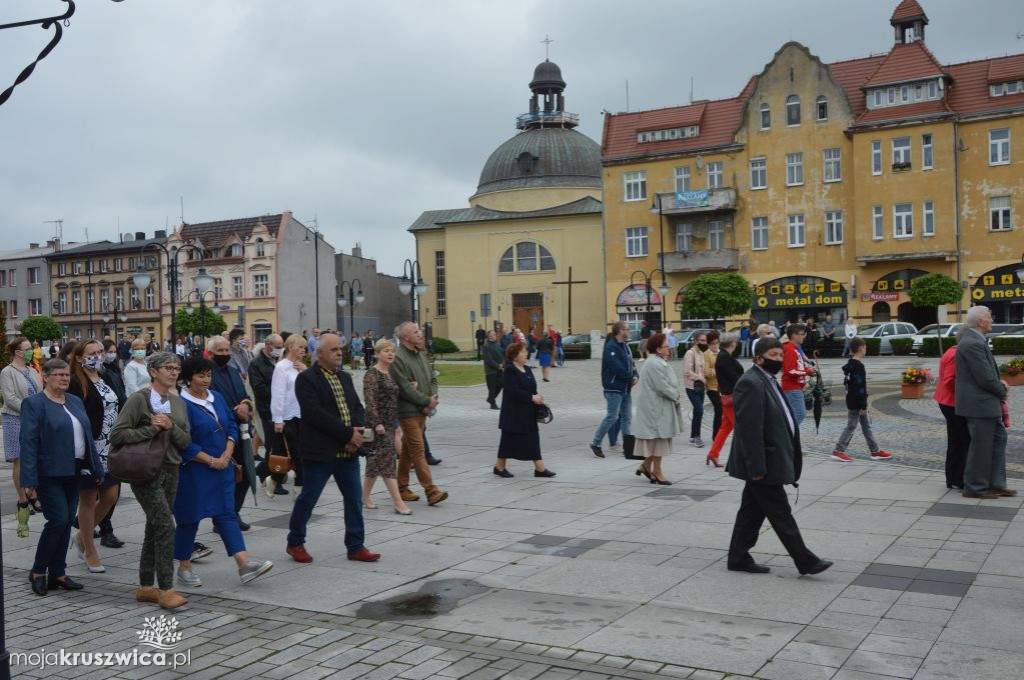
(383, 306)
(830, 187)
(533, 224)
(25, 284)
(270, 273)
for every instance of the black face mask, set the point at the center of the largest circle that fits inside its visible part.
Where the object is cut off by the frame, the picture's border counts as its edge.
(702, 346)
(773, 366)
(223, 359)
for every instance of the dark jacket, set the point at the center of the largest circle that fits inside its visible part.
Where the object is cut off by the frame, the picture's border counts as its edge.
(481, 336)
(115, 378)
(856, 381)
(48, 440)
(518, 412)
(979, 389)
(227, 381)
(493, 358)
(617, 369)
(762, 443)
(545, 344)
(261, 374)
(323, 435)
(728, 371)
(505, 341)
(94, 402)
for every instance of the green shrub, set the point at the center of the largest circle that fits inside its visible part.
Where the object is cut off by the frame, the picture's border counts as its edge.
(634, 349)
(901, 346)
(1008, 345)
(874, 346)
(574, 352)
(444, 346)
(930, 346)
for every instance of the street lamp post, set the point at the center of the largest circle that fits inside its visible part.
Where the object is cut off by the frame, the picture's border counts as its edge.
(316, 265)
(142, 278)
(1020, 269)
(114, 312)
(412, 285)
(663, 289)
(356, 293)
(201, 298)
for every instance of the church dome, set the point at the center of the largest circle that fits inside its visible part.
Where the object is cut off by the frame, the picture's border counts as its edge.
(547, 74)
(543, 157)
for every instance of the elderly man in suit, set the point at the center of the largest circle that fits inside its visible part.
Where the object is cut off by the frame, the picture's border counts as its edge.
(979, 393)
(766, 454)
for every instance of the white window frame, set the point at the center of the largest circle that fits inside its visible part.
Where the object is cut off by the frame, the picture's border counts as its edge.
(716, 174)
(684, 238)
(261, 282)
(928, 218)
(933, 89)
(62, 303)
(759, 233)
(716, 235)
(634, 185)
(35, 275)
(833, 227)
(876, 157)
(903, 220)
(877, 223)
(683, 178)
(238, 286)
(901, 153)
(822, 100)
(927, 152)
(833, 170)
(795, 169)
(12, 309)
(636, 241)
(12, 278)
(90, 301)
(62, 268)
(76, 302)
(796, 231)
(792, 101)
(999, 148)
(759, 173)
(35, 307)
(119, 298)
(150, 298)
(766, 109)
(1001, 215)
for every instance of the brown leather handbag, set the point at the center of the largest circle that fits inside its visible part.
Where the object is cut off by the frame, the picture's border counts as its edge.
(278, 464)
(139, 462)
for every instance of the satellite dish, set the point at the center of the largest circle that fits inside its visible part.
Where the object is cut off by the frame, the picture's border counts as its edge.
(700, 162)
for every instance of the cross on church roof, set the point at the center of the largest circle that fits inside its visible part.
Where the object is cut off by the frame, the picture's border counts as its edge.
(547, 46)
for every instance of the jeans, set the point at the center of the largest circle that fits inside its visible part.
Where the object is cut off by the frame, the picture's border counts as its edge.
(59, 498)
(745, 348)
(853, 418)
(413, 455)
(846, 348)
(617, 419)
(157, 499)
(560, 355)
(797, 404)
(227, 526)
(315, 475)
(697, 402)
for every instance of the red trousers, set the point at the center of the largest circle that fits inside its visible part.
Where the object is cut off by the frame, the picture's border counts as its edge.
(724, 431)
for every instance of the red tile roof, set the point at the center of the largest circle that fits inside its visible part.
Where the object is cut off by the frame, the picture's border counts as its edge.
(214, 234)
(851, 76)
(1005, 69)
(969, 92)
(908, 9)
(933, 108)
(905, 61)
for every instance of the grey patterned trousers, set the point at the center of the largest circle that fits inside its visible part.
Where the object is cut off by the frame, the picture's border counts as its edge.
(157, 499)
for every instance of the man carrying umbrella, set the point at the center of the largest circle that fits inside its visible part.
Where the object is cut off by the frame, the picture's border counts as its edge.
(228, 382)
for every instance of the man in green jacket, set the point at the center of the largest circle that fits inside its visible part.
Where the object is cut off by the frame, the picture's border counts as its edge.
(417, 398)
(493, 360)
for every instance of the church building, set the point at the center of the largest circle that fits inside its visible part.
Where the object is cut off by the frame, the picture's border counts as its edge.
(528, 251)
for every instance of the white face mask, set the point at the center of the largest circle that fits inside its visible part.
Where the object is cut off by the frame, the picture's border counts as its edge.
(276, 353)
(110, 357)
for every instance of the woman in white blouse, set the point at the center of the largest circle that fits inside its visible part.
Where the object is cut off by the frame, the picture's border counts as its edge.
(284, 407)
(136, 375)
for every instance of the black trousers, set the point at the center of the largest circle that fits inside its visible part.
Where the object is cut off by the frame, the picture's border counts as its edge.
(493, 387)
(760, 502)
(958, 441)
(716, 402)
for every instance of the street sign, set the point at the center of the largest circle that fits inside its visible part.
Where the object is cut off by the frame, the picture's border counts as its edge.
(472, 316)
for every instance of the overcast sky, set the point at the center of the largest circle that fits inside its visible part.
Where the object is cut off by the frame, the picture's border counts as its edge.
(364, 114)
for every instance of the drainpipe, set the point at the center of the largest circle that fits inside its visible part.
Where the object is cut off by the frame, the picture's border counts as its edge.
(956, 222)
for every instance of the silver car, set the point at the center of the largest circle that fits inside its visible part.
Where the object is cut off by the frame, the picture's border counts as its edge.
(946, 330)
(886, 332)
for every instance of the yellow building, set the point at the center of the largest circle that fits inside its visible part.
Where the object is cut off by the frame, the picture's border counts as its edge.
(828, 186)
(533, 224)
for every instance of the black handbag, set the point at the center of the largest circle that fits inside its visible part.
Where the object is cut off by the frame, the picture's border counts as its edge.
(544, 414)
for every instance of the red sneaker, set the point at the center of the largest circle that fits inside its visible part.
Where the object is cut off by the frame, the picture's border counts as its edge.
(364, 555)
(880, 455)
(837, 455)
(299, 554)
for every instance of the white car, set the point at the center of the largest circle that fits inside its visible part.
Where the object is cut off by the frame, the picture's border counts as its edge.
(948, 330)
(886, 332)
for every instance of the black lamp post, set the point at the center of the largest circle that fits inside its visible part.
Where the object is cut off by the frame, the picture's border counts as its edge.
(316, 266)
(412, 285)
(355, 291)
(1020, 269)
(201, 299)
(142, 278)
(113, 313)
(663, 289)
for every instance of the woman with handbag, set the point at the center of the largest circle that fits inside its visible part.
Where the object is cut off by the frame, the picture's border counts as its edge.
(18, 382)
(55, 449)
(520, 436)
(284, 407)
(658, 416)
(206, 481)
(728, 371)
(101, 405)
(380, 395)
(156, 413)
(693, 381)
(714, 396)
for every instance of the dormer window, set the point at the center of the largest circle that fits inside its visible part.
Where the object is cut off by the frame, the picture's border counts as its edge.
(235, 250)
(260, 248)
(669, 133)
(1012, 87)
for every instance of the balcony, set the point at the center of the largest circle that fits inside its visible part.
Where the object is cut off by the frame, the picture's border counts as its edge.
(721, 198)
(701, 260)
(547, 119)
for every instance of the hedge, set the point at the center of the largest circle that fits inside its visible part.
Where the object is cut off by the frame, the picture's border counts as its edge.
(579, 351)
(930, 346)
(901, 346)
(443, 346)
(1008, 345)
(874, 346)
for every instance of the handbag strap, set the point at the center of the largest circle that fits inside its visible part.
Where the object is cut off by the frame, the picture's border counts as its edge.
(287, 452)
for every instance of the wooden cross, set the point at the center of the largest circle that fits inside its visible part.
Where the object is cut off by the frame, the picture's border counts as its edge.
(547, 47)
(569, 283)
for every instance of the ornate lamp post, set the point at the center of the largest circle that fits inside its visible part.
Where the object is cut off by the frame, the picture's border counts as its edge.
(412, 285)
(663, 289)
(142, 278)
(114, 313)
(356, 293)
(201, 299)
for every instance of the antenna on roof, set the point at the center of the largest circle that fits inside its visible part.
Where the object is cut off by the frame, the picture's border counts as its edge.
(60, 228)
(627, 94)
(182, 200)
(691, 89)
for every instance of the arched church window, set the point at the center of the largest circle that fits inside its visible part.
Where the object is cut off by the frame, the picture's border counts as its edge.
(526, 256)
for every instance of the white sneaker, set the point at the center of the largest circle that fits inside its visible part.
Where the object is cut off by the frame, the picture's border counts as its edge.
(254, 570)
(615, 448)
(268, 487)
(698, 442)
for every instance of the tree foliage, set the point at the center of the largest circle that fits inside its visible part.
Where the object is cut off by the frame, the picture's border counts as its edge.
(716, 296)
(932, 290)
(203, 321)
(40, 328)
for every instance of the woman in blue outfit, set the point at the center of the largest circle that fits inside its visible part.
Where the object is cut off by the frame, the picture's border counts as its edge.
(206, 482)
(56, 446)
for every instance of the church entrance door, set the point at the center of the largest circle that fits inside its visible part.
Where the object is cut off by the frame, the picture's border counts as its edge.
(528, 311)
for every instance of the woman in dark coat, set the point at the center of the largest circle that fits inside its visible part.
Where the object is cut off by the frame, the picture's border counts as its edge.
(728, 371)
(520, 438)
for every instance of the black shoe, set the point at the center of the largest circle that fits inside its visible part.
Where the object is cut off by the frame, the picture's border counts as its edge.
(433, 461)
(503, 473)
(495, 407)
(280, 490)
(66, 584)
(597, 451)
(111, 541)
(543, 473)
(955, 486)
(821, 566)
(38, 583)
(752, 568)
(242, 524)
(663, 482)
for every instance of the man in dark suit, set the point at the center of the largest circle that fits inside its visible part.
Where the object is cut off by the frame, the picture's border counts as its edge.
(228, 383)
(330, 441)
(261, 374)
(979, 397)
(766, 454)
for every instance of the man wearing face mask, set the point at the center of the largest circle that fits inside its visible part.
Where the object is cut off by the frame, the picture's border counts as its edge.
(766, 455)
(261, 374)
(228, 382)
(240, 357)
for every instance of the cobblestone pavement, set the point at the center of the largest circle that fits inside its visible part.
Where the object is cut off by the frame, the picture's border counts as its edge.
(592, 574)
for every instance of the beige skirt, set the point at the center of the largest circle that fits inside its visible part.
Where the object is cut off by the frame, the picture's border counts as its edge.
(653, 447)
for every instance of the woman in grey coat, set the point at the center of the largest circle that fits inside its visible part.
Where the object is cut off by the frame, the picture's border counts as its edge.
(658, 416)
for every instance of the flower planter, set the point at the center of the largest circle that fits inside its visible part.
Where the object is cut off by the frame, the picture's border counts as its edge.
(912, 390)
(1013, 380)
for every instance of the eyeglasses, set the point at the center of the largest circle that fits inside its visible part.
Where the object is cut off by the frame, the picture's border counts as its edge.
(171, 369)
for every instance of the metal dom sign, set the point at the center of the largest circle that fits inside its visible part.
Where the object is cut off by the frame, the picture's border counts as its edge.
(998, 286)
(820, 294)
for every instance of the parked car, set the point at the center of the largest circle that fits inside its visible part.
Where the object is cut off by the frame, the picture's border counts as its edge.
(1014, 331)
(685, 336)
(948, 330)
(886, 332)
(577, 339)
